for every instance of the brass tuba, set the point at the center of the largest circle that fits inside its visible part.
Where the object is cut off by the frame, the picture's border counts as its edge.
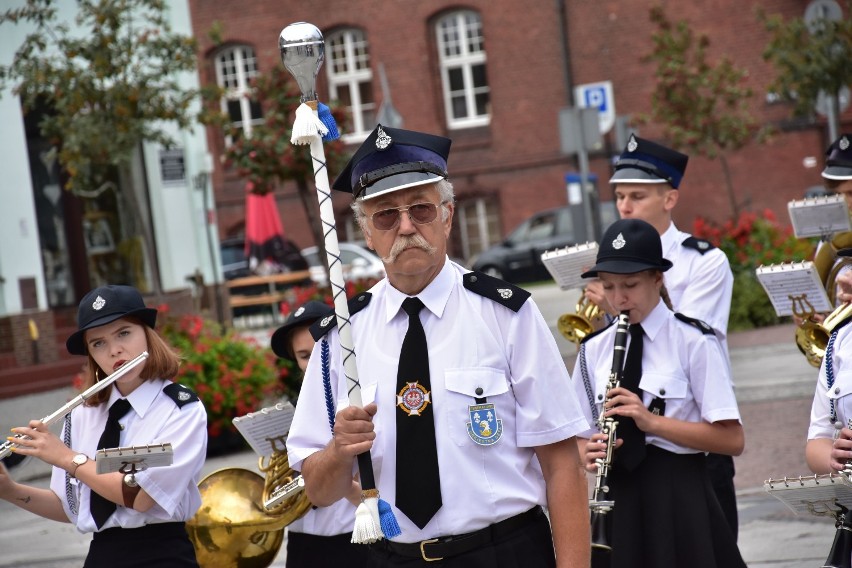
(575, 327)
(233, 526)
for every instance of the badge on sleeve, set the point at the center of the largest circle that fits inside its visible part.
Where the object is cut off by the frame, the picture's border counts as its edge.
(413, 398)
(484, 427)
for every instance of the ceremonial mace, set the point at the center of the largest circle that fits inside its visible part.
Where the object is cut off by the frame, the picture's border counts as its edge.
(302, 51)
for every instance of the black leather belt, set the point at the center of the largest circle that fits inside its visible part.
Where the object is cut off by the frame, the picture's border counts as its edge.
(444, 547)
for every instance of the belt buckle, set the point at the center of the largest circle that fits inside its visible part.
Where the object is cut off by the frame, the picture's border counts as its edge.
(423, 551)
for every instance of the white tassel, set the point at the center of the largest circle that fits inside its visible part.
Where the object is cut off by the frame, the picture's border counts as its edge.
(307, 126)
(367, 529)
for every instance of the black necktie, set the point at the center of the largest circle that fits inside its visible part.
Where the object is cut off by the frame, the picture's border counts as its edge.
(418, 485)
(632, 452)
(101, 507)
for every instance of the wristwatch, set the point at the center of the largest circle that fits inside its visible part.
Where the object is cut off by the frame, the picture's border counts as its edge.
(77, 460)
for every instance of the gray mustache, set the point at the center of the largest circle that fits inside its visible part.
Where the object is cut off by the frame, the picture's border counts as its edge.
(406, 242)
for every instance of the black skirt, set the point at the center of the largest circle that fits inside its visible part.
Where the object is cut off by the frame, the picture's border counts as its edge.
(312, 551)
(164, 545)
(666, 515)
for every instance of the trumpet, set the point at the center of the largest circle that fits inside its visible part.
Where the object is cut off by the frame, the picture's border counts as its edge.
(7, 447)
(812, 336)
(575, 327)
(599, 504)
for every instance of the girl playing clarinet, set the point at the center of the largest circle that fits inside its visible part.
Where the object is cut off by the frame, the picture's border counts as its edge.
(137, 518)
(675, 402)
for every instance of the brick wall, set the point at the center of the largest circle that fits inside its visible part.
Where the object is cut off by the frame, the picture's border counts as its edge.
(516, 159)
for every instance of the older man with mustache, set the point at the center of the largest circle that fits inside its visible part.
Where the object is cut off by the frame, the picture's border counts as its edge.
(469, 415)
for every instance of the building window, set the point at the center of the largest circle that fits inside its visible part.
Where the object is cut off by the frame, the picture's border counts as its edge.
(461, 54)
(235, 68)
(479, 227)
(350, 81)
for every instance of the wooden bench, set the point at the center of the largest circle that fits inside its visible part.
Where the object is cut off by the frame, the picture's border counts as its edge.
(276, 290)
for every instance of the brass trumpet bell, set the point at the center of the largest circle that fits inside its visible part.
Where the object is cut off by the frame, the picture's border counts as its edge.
(575, 327)
(231, 528)
(812, 336)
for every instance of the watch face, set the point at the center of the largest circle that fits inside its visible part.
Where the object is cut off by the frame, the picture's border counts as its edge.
(130, 480)
(80, 459)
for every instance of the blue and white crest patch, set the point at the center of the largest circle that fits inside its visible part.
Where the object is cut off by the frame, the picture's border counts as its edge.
(484, 427)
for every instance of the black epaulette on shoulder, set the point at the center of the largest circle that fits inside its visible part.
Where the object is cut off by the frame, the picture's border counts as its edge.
(513, 297)
(180, 394)
(700, 245)
(326, 324)
(598, 332)
(701, 325)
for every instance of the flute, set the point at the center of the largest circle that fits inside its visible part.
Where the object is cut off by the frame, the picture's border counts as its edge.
(6, 447)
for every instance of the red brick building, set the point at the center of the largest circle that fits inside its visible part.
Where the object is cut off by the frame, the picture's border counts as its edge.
(497, 94)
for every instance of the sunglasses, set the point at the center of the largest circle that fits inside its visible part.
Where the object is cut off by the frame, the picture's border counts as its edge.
(420, 213)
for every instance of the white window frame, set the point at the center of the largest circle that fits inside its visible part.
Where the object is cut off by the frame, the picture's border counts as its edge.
(356, 71)
(478, 207)
(465, 59)
(245, 69)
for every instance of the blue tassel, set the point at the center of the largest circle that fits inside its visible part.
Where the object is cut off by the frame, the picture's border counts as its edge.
(326, 384)
(327, 119)
(387, 520)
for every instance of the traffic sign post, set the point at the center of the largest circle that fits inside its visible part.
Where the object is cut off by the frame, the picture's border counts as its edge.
(599, 96)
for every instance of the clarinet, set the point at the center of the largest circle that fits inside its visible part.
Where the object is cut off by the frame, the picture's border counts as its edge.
(840, 555)
(599, 504)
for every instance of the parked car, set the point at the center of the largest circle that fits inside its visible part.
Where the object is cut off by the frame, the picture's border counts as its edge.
(236, 265)
(359, 263)
(518, 257)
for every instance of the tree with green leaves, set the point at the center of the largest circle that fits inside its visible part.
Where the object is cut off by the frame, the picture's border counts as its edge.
(104, 84)
(809, 58)
(267, 159)
(701, 105)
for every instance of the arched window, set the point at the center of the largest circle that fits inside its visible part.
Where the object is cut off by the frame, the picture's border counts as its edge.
(461, 54)
(236, 66)
(350, 80)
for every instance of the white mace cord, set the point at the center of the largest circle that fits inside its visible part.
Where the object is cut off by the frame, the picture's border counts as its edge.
(368, 526)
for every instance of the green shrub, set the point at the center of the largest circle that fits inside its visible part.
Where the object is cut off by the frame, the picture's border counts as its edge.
(751, 241)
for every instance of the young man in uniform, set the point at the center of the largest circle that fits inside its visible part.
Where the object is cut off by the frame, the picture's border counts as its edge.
(469, 414)
(647, 177)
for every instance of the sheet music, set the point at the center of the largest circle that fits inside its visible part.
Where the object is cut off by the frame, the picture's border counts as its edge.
(262, 428)
(819, 495)
(797, 282)
(819, 216)
(567, 264)
(109, 460)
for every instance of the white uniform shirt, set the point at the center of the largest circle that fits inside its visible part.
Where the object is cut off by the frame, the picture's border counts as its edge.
(679, 364)
(338, 518)
(840, 391)
(699, 285)
(154, 419)
(474, 343)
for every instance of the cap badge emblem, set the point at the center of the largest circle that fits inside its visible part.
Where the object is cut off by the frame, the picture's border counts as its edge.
(326, 320)
(98, 303)
(383, 141)
(505, 293)
(844, 143)
(619, 242)
(632, 144)
(299, 312)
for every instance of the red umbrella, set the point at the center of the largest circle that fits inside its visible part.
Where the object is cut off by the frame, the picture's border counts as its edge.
(265, 245)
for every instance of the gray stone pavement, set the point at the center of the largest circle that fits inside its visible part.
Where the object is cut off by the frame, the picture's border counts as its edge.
(774, 385)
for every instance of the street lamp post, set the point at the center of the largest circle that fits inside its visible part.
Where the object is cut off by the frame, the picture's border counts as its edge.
(201, 181)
